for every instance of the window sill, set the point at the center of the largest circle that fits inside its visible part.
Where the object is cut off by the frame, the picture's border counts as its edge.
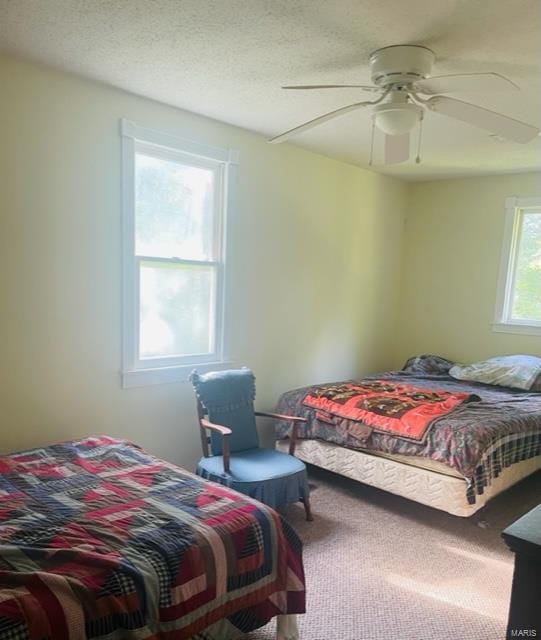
(517, 328)
(167, 375)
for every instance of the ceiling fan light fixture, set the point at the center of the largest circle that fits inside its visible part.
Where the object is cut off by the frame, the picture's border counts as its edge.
(396, 119)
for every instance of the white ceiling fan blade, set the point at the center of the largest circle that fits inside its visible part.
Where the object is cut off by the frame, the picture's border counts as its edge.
(320, 120)
(364, 87)
(397, 148)
(483, 118)
(465, 82)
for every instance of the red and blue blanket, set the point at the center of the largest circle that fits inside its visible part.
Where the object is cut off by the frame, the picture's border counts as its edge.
(100, 539)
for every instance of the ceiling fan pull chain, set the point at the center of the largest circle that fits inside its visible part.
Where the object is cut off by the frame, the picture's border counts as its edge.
(418, 158)
(372, 144)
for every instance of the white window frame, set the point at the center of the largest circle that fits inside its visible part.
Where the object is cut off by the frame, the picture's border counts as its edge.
(504, 322)
(138, 371)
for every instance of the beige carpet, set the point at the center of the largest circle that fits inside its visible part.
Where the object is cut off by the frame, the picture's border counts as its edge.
(380, 567)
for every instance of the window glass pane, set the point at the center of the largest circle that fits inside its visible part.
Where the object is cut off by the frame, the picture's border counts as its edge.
(176, 307)
(527, 291)
(173, 209)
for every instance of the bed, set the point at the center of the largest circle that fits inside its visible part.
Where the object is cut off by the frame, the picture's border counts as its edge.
(463, 459)
(99, 539)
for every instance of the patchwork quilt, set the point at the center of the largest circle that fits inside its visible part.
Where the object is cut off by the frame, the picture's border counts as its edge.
(501, 428)
(99, 539)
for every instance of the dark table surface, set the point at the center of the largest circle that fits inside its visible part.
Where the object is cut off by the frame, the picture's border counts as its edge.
(524, 535)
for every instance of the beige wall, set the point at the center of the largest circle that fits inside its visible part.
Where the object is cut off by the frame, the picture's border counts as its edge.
(314, 263)
(318, 290)
(452, 247)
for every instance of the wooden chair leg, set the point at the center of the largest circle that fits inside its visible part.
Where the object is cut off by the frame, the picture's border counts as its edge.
(308, 511)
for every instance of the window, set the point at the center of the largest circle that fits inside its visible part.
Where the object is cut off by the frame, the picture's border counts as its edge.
(518, 308)
(176, 194)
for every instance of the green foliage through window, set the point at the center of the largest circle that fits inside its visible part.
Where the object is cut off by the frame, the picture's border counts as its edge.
(526, 304)
(174, 236)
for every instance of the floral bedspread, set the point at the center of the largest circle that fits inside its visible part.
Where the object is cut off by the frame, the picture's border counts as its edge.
(99, 539)
(502, 428)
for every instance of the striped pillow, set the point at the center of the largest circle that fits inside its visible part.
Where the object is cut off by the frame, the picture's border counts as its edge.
(536, 386)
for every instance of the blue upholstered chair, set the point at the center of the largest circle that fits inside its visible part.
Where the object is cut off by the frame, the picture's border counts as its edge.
(225, 407)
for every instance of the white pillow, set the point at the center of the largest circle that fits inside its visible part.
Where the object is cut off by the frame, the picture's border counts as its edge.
(519, 372)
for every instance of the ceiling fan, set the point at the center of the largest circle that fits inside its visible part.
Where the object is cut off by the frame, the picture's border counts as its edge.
(401, 75)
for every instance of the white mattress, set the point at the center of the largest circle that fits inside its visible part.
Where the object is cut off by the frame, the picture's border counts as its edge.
(430, 486)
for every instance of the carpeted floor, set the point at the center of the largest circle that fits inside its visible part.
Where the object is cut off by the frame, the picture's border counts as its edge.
(379, 567)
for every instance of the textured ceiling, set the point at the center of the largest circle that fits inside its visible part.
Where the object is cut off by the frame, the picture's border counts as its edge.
(228, 58)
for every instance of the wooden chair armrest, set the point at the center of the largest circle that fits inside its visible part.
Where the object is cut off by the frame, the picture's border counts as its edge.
(294, 428)
(225, 432)
(206, 424)
(279, 416)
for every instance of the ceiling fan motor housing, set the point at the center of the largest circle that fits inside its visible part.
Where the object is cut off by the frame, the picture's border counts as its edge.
(400, 64)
